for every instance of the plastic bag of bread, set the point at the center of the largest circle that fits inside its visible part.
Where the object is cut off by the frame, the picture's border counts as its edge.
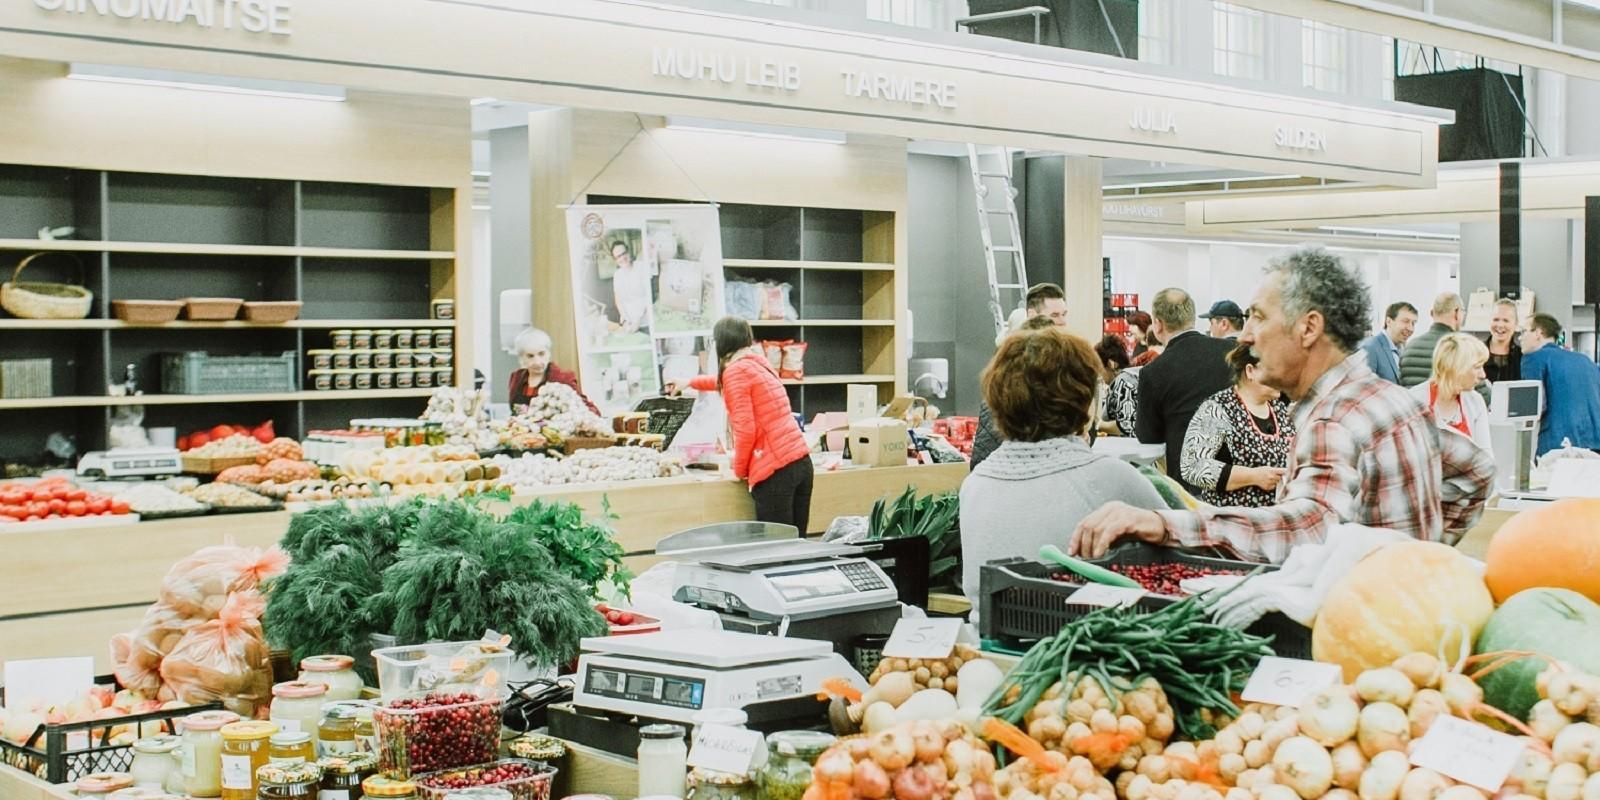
(136, 656)
(198, 585)
(225, 659)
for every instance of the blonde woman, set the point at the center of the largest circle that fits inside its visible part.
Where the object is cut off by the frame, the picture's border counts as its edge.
(1458, 362)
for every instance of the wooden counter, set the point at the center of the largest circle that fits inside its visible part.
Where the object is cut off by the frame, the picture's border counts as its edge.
(68, 591)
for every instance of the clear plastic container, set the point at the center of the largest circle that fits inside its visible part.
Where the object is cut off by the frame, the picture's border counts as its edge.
(338, 673)
(435, 731)
(444, 667)
(524, 779)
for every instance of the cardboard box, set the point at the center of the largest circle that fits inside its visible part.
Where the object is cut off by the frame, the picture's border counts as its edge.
(879, 442)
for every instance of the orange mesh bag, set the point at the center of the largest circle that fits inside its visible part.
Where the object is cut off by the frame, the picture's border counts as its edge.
(225, 659)
(198, 585)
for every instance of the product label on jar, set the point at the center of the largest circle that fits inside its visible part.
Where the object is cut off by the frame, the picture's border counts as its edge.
(333, 794)
(338, 748)
(188, 765)
(286, 725)
(236, 772)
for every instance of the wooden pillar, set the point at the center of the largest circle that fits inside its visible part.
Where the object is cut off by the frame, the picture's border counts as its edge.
(1081, 226)
(550, 181)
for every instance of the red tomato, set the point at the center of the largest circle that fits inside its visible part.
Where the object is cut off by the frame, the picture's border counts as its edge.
(183, 442)
(38, 508)
(13, 510)
(59, 492)
(199, 438)
(119, 507)
(77, 508)
(13, 497)
(76, 494)
(40, 495)
(98, 504)
(222, 432)
(57, 505)
(32, 517)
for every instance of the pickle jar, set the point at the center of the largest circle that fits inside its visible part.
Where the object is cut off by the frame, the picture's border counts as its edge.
(337, 734)
(299, 781)
(200, 760)
(342, 775)
(297, 705)
(154, 761)
(379, 786)
(705, 784)
(338, 673)
(291, 747)
(103, 784)
(790, 756)
(245, 749)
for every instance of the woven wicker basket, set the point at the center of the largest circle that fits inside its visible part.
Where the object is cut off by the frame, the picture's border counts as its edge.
(39, 300)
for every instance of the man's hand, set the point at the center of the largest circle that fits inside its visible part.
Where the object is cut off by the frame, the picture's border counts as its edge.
(1113, 521)
(1266, 478)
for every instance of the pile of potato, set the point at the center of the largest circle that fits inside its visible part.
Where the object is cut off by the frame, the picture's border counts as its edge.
(939, 673)
(1111, 732)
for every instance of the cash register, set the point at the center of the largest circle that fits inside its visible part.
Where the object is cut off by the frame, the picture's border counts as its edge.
(1515, 408)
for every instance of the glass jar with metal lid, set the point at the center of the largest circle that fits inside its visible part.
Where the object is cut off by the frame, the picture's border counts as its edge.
(292, 747)
(366, 730)
(705, 784)
(154, 761)
(379, 786)
(103, 784)
(200, 760)
(297, 705)
(298, 781)
(245, 749)
(790, 756)
(337, 733)
(336, 672)
(342, 775)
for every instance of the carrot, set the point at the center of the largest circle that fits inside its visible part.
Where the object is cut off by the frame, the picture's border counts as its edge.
(1009, 736)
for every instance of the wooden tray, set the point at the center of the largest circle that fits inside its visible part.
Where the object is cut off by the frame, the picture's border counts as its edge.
(200, 465)
(212, 309)
(146, 312)
(271, 311)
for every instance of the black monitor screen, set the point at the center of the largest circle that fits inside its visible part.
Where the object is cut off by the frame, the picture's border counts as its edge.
(1522, 401)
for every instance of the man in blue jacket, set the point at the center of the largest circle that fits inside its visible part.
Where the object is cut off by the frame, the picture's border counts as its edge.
(1383, 348)
(1571, 387)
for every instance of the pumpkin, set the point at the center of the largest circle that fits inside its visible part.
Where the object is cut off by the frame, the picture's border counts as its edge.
(1555, 545)
(1555, 623)
(1402, 598)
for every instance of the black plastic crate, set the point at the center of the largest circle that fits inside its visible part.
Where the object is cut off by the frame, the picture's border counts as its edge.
(49, 753)
(667, 415)
(1019, 603)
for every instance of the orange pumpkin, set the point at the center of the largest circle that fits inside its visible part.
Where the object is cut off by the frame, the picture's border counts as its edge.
(1403, 598)
(1554, 546)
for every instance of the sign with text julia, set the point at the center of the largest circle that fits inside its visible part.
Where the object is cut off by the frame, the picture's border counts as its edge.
(647, 287)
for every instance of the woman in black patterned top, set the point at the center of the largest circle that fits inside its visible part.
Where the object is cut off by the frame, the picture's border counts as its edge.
(1239, 441)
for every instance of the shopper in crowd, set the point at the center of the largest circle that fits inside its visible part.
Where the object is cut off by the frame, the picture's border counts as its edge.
(1047, 300)
(769, 451)
(1191, 368)
(987, 437)
(1226, 319)
(1457, 367)
(1416, 360)
(1237, 447)
(1505, 354)
(1122, 394)
(1571, 387)
(1365, 450)
(1044, 478)
(1113, 353)
(1139, 326)
(1383, 348)
(536, 369)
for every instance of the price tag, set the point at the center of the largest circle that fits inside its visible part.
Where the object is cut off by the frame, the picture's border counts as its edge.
(1101, 594)
(722, 748)
(1468, 752)
(1287, 681)
(923, 638)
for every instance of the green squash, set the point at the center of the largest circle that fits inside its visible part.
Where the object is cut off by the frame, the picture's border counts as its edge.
(1558, 623)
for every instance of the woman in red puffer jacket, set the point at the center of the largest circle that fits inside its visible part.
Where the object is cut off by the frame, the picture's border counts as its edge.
(768, 450)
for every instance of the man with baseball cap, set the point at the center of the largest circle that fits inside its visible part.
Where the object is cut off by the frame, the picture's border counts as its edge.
(1227, 319)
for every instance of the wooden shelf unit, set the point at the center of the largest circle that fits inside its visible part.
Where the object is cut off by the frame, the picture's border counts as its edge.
(358, 255)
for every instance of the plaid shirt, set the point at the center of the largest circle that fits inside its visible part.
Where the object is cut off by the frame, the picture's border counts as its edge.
(1364, 451)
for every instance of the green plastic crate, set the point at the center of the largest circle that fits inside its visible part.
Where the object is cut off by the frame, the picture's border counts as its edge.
(198, 372)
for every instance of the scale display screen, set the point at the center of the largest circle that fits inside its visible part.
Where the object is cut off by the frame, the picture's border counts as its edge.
(645, 687)
(812, 584)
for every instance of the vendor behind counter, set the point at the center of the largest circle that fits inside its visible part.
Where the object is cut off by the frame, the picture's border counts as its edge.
(533, 356)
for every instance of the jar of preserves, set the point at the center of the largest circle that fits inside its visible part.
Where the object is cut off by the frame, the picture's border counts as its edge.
(337, 734)
(366, 730)
(154, 761)
(297, 705)
(288, 781)
(790, 756)
(379, 786)
(342, 775)
(245, 749)
(662, 757)
(338, 673)
(291, 747)
(103, 784)
(705, 784)
(201, 758)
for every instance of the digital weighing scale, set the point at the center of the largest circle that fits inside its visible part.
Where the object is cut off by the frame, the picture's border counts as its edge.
(762, 578)
(670, 676)
(131, 462)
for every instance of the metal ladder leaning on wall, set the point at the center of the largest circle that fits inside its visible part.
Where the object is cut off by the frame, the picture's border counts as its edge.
(996, 197)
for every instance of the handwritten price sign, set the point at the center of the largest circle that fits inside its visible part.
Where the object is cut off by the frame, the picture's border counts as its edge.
(1100, 594)
(923, 638)
(723, 748)
(1287, 681)
(1468, 752)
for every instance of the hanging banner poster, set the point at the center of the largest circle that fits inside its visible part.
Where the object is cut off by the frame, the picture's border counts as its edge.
(647, 284)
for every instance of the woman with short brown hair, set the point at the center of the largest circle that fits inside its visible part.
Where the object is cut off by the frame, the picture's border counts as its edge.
(1043, 479)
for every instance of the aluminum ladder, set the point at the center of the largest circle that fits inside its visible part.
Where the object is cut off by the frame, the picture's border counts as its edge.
(996, 197)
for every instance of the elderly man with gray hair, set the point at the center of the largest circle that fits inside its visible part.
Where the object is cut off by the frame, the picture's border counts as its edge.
(1364, 451)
